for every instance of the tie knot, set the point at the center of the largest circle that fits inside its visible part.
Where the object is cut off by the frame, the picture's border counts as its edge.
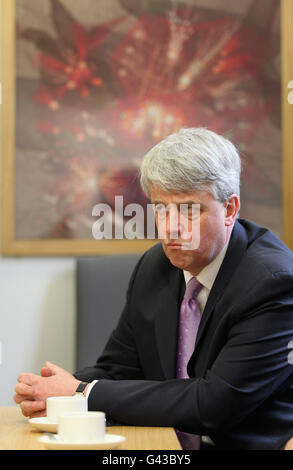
(192, 289)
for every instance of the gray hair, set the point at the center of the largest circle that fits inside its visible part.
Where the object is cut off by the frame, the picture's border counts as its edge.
(190, 160)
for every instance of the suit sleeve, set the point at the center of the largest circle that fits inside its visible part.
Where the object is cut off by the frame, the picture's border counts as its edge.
(251, 366)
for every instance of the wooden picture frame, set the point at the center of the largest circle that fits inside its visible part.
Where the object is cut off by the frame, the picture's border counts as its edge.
(287, 120)
(69, 247)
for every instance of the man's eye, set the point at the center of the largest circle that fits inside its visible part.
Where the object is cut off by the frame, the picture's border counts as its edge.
(161, 211)
(160, 208)
(191, 211)
(185, 210)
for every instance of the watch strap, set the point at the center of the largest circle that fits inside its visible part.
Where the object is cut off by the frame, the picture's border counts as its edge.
(81, 387)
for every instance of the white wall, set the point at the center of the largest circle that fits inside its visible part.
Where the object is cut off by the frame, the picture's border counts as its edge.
(37, 316)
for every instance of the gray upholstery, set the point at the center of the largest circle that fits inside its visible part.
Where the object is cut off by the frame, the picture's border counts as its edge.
(101, 288)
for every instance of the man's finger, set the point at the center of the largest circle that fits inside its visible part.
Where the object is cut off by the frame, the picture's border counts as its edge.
(19, 398)
(24, 389)
(26, 378)
(53, 368)
(46, 372)
(38, 414)
(28, 407)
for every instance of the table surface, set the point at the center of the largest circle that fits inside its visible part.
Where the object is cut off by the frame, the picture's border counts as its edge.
(17, 434)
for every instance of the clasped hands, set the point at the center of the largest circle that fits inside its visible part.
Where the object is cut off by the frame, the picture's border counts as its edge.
(32, 390)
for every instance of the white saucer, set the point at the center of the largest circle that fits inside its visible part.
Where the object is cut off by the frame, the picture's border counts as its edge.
(52, 441)
(42, 424)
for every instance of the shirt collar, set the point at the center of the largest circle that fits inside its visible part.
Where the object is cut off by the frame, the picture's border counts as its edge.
(208, 275)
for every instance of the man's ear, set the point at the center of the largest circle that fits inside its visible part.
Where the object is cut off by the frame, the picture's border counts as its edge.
(232, 207)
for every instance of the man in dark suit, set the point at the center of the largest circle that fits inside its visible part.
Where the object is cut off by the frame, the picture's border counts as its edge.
(237, 384)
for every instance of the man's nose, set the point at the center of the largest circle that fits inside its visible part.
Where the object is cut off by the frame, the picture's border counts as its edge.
(173, 225)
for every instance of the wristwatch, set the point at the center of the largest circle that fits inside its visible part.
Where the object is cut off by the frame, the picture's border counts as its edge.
(80, 389)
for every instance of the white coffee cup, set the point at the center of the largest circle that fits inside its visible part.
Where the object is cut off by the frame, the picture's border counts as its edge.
(82, 427)
(66, 404)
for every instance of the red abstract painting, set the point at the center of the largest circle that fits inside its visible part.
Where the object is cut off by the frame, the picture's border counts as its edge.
(100, 83)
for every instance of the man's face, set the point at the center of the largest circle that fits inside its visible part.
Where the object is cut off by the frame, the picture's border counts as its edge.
(213, 222)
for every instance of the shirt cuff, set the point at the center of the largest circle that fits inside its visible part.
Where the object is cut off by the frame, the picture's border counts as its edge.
(90, 387)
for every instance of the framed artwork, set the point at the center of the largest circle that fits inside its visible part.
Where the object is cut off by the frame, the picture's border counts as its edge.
(89, 87)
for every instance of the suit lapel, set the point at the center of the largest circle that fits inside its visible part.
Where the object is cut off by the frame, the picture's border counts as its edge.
(166, 321)
(171, 294)
(237, 246)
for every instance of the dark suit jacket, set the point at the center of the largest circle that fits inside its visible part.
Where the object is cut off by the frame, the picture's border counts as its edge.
(240, 388)
(284, 439)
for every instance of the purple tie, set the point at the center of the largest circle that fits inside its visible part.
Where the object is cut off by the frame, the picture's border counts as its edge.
(187, 331)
